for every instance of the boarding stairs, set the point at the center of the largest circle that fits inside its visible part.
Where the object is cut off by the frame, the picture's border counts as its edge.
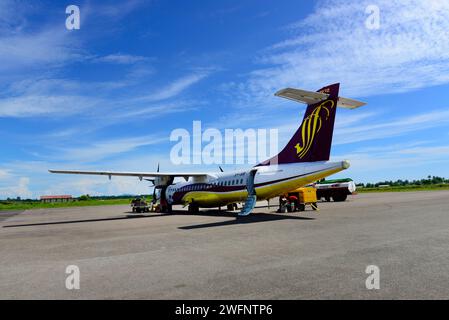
(251, 199)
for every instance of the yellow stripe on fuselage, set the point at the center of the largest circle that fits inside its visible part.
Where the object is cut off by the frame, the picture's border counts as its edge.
(215, 199)
(278, 188)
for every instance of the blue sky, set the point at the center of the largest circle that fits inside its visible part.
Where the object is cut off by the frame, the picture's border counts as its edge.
(107, 96)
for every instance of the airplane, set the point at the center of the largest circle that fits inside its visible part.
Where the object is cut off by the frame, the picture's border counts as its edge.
(304, 160)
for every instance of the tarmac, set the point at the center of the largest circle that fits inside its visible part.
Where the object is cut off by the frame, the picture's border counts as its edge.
(216, 255)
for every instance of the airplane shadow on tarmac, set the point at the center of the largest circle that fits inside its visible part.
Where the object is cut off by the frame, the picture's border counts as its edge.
(253, 218)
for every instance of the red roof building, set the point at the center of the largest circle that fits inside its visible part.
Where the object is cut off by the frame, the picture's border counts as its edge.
(59, 198)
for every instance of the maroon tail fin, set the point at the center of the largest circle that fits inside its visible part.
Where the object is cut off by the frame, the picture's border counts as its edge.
(312, 141)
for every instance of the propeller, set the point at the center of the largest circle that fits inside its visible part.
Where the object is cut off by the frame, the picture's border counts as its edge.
(221, 169)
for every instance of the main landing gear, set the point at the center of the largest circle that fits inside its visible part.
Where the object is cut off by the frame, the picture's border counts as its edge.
(194, 208)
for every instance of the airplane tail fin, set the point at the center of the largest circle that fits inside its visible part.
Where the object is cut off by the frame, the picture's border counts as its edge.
(312, 141)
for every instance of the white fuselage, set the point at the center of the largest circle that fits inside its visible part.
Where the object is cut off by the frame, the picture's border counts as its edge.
(223, 188)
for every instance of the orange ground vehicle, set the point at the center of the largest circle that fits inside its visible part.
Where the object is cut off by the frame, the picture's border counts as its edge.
(297, 200)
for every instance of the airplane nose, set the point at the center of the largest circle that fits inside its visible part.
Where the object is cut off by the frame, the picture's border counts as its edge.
(345, 164)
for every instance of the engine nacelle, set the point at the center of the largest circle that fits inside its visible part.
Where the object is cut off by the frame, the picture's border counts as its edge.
(162, 181)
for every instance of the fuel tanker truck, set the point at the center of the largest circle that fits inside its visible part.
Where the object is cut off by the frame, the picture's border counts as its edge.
(336, 189)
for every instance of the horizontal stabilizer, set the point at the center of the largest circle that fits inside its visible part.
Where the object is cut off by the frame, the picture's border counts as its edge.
(349, 103)
(310, 97)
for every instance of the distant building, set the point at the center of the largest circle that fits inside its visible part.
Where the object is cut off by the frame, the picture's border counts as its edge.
(61, 198)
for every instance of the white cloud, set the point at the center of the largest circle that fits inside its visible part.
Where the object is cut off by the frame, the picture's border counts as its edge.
(117, 10)
(38, 105)
(12, 16)
(346, 133)
(397, 161)
(47, 183)
(410, 50)
(17, 189)
(103, 149)
(121, 58)
(96, 186)
(4, 174)
(428, 151)
(153, 111)
(175, 87)
(31, 51)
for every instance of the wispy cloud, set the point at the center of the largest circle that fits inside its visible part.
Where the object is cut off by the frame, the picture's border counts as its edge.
(397, 161)
(4, 174)
(345, 133)
(12, 16)
(98, 186)
(117, 10)
(154, 110)
(61, 98)
(121, 58)
(409, 51)
(175, 88)
(103, 149)
(17, 188)
(36, 50)
(39, 105)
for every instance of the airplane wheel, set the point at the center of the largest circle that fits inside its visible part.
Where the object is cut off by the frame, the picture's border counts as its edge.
(302, 207)
(194, 208)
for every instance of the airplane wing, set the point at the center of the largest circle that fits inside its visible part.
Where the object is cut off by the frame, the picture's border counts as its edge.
(140, 175)
(310, 97)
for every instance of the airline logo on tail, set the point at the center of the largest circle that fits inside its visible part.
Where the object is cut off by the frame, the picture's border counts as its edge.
(312, 125)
